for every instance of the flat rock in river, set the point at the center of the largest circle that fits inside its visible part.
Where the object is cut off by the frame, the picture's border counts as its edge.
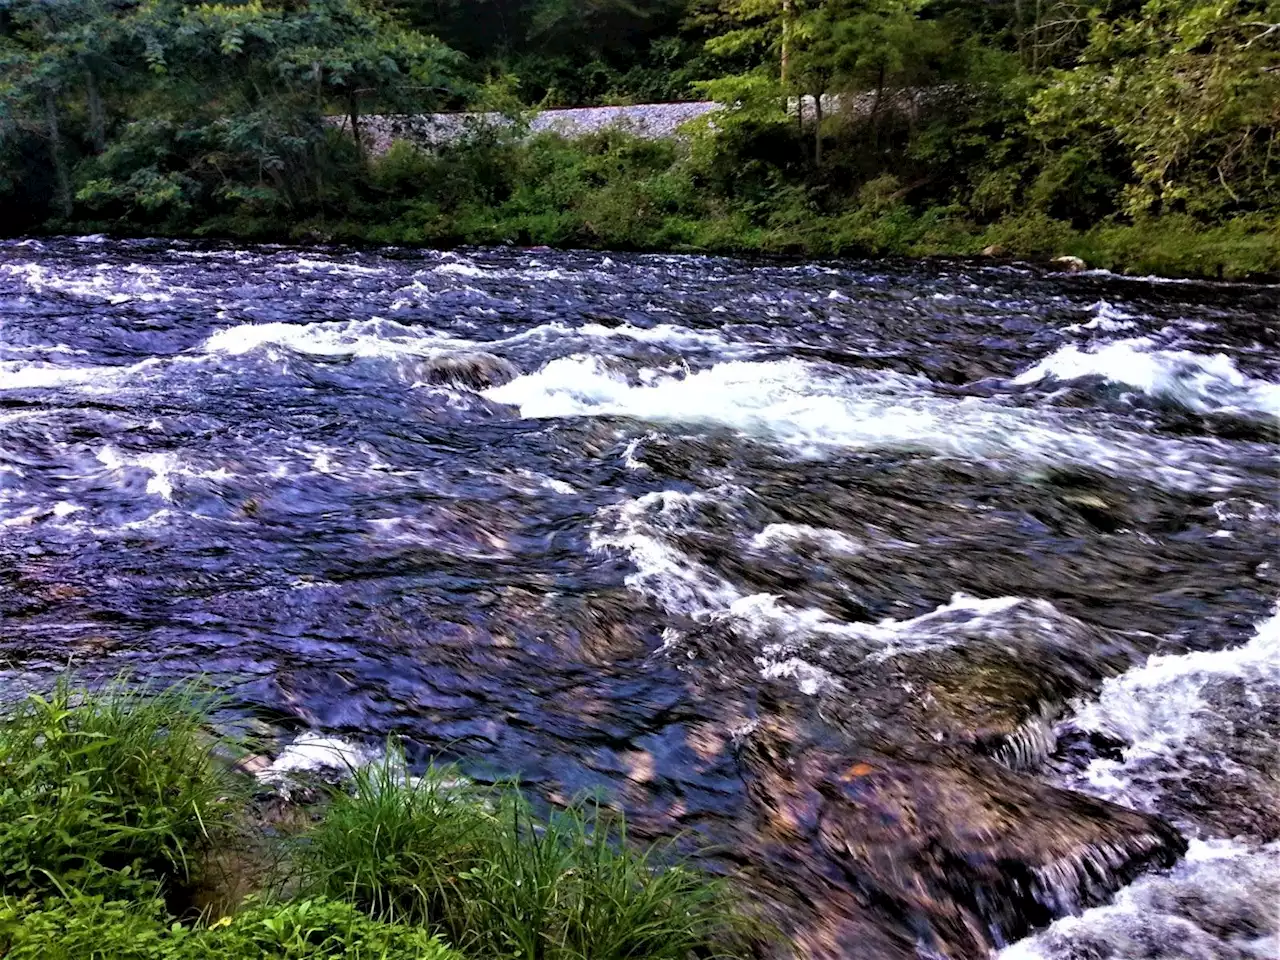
(965, 852)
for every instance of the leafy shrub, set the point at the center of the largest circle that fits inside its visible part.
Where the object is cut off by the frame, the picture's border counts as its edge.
(1180, 245)
(1032, 235)
(92, 928)
(108, 790)
(402, 169)
(495, 881)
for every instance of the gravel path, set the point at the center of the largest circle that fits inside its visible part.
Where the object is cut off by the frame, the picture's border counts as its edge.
(653, 121)
(649, 120)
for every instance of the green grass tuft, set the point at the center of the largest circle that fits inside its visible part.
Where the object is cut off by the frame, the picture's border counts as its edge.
(84, 927)
(115, 803)
(477, 866)
(109, 790)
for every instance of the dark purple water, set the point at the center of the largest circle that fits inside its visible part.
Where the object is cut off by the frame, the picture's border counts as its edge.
(936, 601)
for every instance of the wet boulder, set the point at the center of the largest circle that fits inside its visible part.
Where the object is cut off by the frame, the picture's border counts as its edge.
(959, 849)
(998, 690)
(1069, 264)
(474, 371)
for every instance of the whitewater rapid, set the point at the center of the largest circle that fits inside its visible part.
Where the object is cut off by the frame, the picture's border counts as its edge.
(768, 553)
(1170, 714)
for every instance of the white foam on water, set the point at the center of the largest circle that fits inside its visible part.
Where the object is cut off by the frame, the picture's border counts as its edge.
(811, 679)
(315, 752)
(789, 639)
(549, 483)
(162, 466)
(1178, 281)
(639, 528)
(787, 535)
(378, 337)
(815, 412)
(35, 376)
(629, 458)
(961, 620)
(1158, 708)
(1223, 899)
(331, 338)
(1201, 382)
(1106, 317)
(36, 514)
(666, 334)
(40, 348)
(114, 285)
(1220, 903)
(464, 270)
(333, 267)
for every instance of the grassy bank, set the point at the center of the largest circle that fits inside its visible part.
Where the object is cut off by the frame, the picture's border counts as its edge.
(946, 129)
(612, 191)
(126, 833)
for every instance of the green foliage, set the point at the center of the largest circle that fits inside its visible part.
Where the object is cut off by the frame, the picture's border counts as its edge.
(737, 191)
(112, 798)
(1190, 92)
(84, 927)
(115, 789)
(200, 111)
(478, 866)
(1032, 234)
(1179, 245)
(1033, 125)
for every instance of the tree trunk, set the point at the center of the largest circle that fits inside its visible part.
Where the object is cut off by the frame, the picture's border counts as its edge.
(1035, 40)
(786, 41)
(817, 129)
(55, 149)
(784, 67)
(353, 112)
(1020, 32)
(875, 109)
(97, 116)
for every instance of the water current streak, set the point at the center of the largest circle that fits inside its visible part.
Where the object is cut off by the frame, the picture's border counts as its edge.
(936, 601)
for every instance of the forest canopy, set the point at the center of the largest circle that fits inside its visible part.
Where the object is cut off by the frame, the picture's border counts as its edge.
(1141, 134)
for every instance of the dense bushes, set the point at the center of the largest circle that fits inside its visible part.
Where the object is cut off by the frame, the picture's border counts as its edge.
(613, 191)
(114, 803)
(1141, 134)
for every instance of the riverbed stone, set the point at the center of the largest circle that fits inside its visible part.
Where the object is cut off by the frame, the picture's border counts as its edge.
(967, 853)
(997, 694)
(476, 371)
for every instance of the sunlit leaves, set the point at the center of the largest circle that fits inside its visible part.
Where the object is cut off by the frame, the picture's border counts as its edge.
(1191, 90)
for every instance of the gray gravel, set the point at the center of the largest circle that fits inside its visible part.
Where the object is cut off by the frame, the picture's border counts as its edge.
(653, 121)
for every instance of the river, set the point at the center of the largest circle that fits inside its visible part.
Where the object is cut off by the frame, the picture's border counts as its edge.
(937, 601)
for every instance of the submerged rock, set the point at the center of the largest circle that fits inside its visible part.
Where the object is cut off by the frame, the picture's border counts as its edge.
(475, 371)
(966, 853)
(998, 692)
(990, 676)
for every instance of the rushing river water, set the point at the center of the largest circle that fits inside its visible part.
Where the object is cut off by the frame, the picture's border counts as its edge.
(936, 601)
